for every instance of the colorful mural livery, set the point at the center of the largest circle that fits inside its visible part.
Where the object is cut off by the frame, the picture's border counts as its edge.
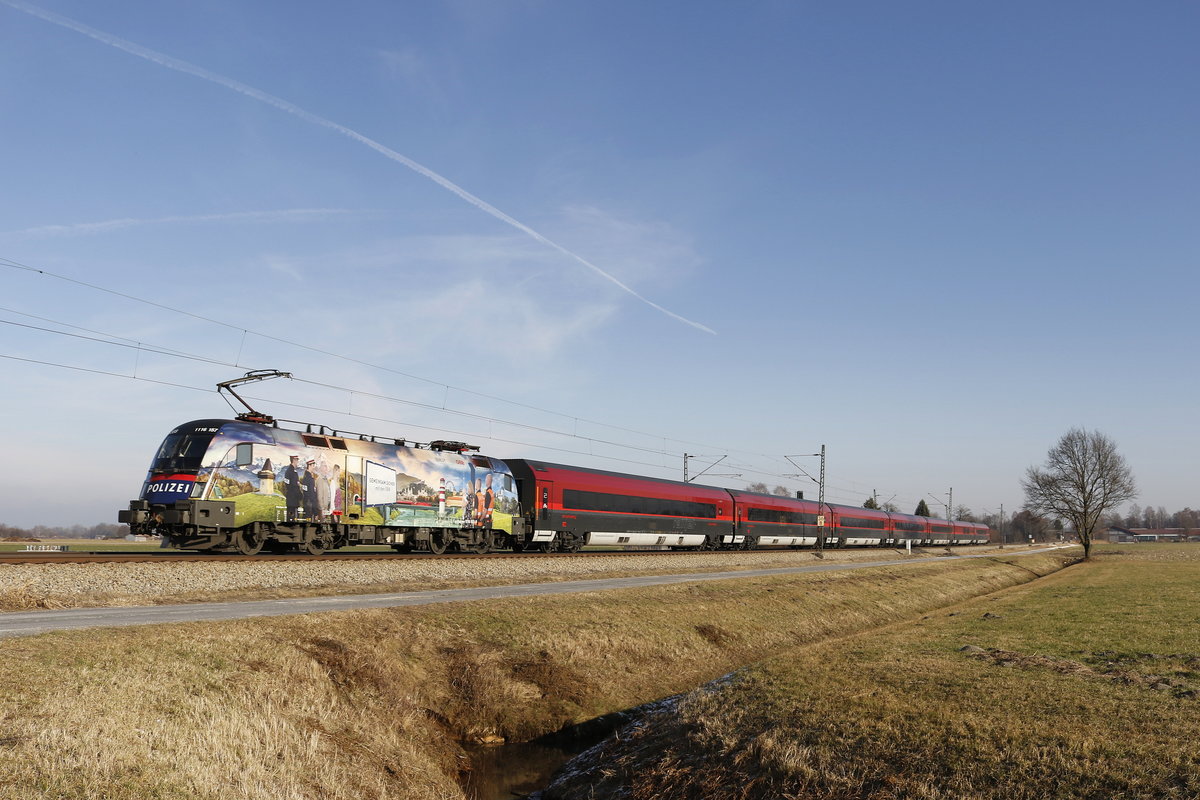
(282, 476)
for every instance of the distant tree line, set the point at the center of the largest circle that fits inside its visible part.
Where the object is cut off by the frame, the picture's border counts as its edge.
(1156, 518)
(762, 488)
(101, 531)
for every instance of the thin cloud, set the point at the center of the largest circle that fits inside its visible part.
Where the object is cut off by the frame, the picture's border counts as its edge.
(105, 226)
(408, 65)
(283, 105)
(283, 266)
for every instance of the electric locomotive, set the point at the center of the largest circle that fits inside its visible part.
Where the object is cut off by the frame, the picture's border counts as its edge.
(248, 485)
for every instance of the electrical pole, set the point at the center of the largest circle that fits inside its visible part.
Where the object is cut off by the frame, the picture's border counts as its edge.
(821, 500)
(687, 479)
(820, 492)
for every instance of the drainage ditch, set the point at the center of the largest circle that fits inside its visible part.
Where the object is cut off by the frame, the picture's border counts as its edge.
(518, 770)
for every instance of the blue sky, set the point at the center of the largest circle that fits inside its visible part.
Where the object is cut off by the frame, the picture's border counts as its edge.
(932, 236)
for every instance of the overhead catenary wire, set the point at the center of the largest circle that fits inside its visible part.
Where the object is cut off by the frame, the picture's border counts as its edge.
(142, 347)
(833, 492)
(847, 494)
(441, 430)
(17, 265)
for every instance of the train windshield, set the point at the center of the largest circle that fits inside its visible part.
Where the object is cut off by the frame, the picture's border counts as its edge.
(182, 451)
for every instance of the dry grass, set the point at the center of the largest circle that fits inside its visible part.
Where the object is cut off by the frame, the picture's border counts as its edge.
(374, 704)
(22, 597)
(1082, 685)
(169, 583)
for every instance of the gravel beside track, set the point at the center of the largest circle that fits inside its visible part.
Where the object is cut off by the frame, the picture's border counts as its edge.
(67, 585)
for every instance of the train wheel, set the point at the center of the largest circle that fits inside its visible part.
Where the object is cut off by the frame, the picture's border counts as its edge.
(486, 544)
(315, 546)
(438, 543)
(248, 542)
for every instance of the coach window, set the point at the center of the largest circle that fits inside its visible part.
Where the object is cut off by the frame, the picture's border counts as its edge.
(633, 504)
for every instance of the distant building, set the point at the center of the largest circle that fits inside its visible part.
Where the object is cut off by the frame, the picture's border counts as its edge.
(1131, 535)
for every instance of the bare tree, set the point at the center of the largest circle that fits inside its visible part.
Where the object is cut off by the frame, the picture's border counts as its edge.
(1084, 476)
(1029, 527)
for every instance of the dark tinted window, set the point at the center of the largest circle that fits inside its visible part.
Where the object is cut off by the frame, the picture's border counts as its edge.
(860, 522)
(630, 504)
(777, 515)
(910, 526)
(940, 528)
(182, 451)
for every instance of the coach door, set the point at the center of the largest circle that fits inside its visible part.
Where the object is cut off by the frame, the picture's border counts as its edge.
(545, 490)
(543, 525)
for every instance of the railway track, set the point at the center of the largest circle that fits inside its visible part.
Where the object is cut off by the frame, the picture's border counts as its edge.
(173, 557)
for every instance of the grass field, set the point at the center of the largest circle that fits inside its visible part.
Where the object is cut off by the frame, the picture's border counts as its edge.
(1081, 685)
(374, 704)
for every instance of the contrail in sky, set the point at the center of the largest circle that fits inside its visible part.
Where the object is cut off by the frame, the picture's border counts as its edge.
(283, 105)
(83, 228)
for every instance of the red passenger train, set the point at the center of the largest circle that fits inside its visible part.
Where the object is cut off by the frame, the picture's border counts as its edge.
(249, 485)
(569, 507)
